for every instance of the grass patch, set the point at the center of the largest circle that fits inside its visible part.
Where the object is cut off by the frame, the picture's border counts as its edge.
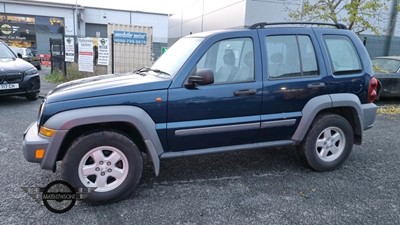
(72, 74)
(56, 77)
(390, 109)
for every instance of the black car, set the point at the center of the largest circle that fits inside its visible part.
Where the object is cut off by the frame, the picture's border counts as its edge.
(17, 77)
(387, 71)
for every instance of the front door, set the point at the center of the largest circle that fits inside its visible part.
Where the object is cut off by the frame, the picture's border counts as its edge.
(225, 113)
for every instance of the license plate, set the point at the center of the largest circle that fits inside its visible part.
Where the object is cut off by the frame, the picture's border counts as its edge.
(8, 86)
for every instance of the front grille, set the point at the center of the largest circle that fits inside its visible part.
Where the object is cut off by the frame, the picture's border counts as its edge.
(11, 76)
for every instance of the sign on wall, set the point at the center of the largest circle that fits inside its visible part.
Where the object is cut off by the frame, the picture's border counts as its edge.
(69, 49)
(85, 59)
(130, 37)
(103, 50)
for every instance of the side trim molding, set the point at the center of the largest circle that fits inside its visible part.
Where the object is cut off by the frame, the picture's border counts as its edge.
(216, 129)
(278, 123)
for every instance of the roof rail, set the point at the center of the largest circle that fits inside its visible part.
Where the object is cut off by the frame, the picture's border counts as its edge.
(263, 24)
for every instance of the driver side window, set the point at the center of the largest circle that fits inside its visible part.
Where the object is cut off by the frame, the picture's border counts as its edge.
(230, 60)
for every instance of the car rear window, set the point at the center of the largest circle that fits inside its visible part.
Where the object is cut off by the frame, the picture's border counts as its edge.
(343, 55)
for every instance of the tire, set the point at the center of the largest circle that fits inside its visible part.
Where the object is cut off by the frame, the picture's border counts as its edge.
(32, 96)
(328, 142)
(105, 160)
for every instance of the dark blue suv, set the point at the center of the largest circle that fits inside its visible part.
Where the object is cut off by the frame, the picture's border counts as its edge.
(263, 86)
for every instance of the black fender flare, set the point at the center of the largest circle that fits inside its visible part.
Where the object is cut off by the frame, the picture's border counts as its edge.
(317, 104)
(137, 117)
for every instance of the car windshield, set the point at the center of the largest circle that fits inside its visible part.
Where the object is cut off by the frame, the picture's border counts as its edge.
(17, 50)
(173, 59)
(5, 52)
(385, 65)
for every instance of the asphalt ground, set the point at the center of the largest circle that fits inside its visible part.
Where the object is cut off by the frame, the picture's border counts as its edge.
(267, 186)
(45, 86)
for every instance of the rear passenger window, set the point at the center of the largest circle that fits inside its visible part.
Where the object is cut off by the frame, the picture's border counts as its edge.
(290, 56)
(343, 55)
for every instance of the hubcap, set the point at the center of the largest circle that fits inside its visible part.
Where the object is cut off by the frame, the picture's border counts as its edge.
(104, 168)
(330, 144)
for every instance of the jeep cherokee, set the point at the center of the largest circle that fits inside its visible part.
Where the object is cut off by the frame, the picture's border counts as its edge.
(212, 92)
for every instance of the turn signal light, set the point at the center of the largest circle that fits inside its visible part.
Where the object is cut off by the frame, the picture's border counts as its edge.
(46, 131)
(39, 153)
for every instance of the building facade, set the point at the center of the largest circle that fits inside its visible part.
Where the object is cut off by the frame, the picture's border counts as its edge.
(205, 15)
(30, 24)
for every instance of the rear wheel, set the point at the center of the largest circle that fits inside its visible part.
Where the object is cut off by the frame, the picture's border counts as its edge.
(107, 161)
(328, 142)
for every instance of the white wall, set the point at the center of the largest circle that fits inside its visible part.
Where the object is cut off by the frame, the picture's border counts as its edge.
(268, 11)
(205, 15)
(159, 22)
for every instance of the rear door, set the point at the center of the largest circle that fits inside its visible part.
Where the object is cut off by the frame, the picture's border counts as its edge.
(225, 113)
(294, 73)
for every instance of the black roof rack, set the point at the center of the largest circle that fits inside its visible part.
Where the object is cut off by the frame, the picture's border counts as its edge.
(263, 24)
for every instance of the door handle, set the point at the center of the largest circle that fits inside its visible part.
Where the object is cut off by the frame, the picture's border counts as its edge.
(245, 92)
(316, 85)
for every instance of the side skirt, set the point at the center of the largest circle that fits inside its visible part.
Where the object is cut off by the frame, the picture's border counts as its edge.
(187, 153)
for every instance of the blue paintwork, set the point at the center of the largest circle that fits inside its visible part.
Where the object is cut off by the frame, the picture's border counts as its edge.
(214, 105)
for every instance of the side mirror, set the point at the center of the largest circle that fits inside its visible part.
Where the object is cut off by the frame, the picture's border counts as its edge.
(19, 55)
(202, 77)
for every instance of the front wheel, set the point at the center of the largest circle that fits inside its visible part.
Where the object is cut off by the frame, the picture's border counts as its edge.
(107, 161)
(328, 142)
(32, 96)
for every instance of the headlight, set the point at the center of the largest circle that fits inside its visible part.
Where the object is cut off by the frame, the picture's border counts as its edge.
(31, 71)
(41, 109)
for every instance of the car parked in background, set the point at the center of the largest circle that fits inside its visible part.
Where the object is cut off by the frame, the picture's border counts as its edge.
(17, 77)
(28, 55)
(387, 71)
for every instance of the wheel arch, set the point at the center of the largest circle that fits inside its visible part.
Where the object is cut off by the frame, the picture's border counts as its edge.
(129, 120)
(346, 105)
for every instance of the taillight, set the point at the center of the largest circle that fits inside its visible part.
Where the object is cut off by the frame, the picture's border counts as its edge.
(373, 89)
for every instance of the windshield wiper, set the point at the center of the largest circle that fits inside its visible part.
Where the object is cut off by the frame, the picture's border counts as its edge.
(160, 71)
(143, 70)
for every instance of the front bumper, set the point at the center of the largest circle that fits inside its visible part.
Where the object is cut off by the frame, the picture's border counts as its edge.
(369, 111)
(32, 141)
(30, 84)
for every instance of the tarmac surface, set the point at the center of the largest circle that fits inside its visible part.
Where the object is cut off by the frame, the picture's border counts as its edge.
(264, 186)
(45, 86)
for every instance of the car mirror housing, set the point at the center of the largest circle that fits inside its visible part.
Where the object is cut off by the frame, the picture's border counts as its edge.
(202, 77)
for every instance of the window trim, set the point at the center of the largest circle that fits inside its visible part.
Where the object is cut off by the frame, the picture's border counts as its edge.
(227, 39)
(318, 73)
(348, 39)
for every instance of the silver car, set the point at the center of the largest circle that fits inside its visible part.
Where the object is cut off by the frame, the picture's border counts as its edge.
(27, 55)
